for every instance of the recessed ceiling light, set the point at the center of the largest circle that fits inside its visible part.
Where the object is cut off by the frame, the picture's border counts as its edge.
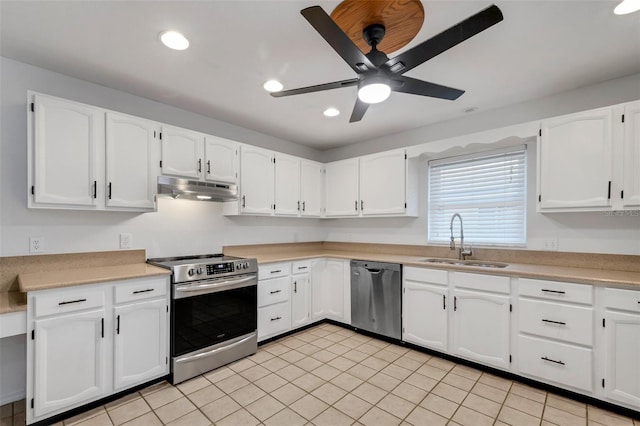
(272, 86)
(331, 112)
(174, 40)
(627, 6)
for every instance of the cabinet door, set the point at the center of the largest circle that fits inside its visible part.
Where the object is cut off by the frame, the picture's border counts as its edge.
(221, 159)
(318, 293)
(335, 290)
(140, 344)
(575, 161)
(181, 152)
(130, 178)
(68, 344)
(631, 168)
(67, 137)
(424, 316)
(481, 327)
(622, 369)
(300, 300)
(287, 185)
(256, 180)
(311, 188)
(341, 188)
(383, 183)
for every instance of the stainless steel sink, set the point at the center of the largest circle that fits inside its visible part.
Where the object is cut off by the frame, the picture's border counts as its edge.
(475, 263)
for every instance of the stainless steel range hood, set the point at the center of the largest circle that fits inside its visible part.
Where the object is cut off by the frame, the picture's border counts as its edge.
(185, 189)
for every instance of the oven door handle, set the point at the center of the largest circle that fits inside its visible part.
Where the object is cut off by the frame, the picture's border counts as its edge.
(212, 352)
(189, 290)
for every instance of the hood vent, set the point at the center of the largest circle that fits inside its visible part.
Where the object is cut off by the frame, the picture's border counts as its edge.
(185, 189)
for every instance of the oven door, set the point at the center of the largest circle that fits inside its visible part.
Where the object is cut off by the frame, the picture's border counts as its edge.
(212, 311)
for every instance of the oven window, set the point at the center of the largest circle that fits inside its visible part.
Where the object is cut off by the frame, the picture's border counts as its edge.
(207, 319)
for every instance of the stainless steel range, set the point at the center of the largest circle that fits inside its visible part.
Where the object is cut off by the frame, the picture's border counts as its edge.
(214, 308)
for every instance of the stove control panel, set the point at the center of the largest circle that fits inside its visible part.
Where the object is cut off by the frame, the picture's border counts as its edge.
(219, 268)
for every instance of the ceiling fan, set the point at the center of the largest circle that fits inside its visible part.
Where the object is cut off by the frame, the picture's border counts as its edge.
(378, 74)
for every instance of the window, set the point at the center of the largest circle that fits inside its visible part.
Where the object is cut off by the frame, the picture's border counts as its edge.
(487, 190)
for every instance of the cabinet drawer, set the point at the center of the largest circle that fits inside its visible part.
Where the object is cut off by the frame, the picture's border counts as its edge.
(274, 319)
(435, 276)
(273, 270)
(273, 291)
(64, 301)
(563, 322)
(555, 290)
(626, 300)
(482, 282)
(563, 364)
(128, 291)
(301, 267)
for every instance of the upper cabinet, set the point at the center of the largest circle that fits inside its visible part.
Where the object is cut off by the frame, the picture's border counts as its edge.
(590, 161)
(373, 185)
(574, 161)
(193, 155)
(287, 185)
(83, 157)
(311, 185)
(256, 181)
(130, 173)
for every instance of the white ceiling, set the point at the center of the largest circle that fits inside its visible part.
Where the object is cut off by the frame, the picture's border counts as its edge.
(541, 48)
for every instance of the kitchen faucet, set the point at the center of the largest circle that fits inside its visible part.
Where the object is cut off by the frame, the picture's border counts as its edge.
(462, 252)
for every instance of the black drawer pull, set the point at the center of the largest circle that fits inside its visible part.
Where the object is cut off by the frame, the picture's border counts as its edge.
(68, 302)
(276, 318)
(551, 360)
(554, 322)
(553, 291)
(277, 271)
(118, 324)
(143, 291)
(444, 301)
(305, 267)
(275, 291)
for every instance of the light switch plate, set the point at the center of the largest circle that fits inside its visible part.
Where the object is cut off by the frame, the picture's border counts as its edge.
(36, 245)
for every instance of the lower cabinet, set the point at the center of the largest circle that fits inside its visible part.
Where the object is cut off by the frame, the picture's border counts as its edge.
(336, 284)
(300, 294)
(90, 341)
(274, 299)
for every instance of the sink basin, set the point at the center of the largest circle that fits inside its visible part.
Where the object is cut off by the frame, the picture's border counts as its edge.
(476, 263)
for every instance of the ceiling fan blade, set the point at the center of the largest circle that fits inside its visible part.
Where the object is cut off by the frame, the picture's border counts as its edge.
(316, 88)
(337, 39)
(414, 86)
(445, 40)
(358, 111)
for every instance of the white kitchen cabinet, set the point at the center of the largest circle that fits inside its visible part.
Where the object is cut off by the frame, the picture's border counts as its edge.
(337, 283)
(287, 185)
(140, 344)
(274, 299)
(69, 361)
(630, 192)
(130, 162)
(622, 336)
(181, 152)
(318, 293)
(256, 181)
(65, 153)
(341, 188)
(221, 159)
(424, 314)
(383, 180)
(481, 327)
(575, 162)
(300, 294)
(311, 188)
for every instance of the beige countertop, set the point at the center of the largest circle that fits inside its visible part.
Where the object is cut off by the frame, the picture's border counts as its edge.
(12, 301)
(551, 272)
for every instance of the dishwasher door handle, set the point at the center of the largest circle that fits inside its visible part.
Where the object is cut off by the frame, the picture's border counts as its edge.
(374, 271)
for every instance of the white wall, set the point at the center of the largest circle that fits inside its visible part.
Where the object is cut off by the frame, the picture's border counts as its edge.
(179, 227)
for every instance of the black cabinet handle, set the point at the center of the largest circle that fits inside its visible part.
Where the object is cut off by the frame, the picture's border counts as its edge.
(143, 291)
(95, 189)
(276, 318)
(199, 165)
(553, 291)
(356, 205)
(455, 303)
(109, 190)
(304, 267)
(102, 327)
(208, 167)
(118, 324)
(68, 302)
(243, 201)
(444, 302)
(554, 322)
(276, 271)
(295, 286)
(275, 291)
(552, 360)
(298, 205)
(361, 205)
(304, 207)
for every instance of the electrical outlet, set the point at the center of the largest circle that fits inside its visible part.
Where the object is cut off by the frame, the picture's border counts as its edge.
(36, 245)
(126, 241)
(551, 244)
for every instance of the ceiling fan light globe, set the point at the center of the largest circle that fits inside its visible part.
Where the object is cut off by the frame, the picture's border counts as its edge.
(272, 86)
(374, 93)
(174, 40)
(627, 6)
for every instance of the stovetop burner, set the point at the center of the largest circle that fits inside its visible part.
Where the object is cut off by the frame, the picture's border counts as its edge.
(194, 259)
(205, 266)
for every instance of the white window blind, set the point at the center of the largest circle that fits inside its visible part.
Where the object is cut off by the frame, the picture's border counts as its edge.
(487, 190)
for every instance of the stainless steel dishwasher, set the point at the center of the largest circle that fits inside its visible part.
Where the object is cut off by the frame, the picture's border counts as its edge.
(376, 295)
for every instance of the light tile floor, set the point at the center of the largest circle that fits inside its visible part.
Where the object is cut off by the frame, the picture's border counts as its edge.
(331, 376)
